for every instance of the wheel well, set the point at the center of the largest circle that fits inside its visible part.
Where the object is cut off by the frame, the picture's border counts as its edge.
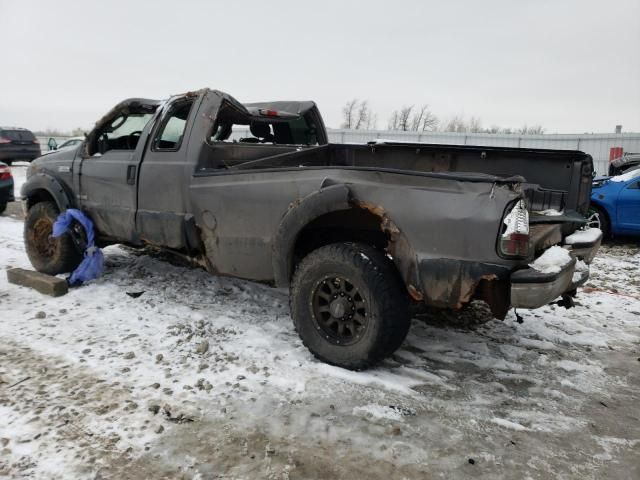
(351, 225)
(601, 209)
(38, 196)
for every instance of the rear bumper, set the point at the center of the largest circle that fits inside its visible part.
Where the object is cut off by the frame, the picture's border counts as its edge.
(586, 251)
(533, 289)
(19, 153)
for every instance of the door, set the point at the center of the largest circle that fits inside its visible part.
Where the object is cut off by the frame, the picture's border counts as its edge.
(109, 170)
(629, 207)
(165, 176)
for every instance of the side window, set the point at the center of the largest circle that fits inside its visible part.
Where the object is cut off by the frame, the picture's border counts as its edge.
(635, 186)
(171, 131)
(122, 133)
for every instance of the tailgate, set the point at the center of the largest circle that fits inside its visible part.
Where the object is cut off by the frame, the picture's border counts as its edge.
(565, 188)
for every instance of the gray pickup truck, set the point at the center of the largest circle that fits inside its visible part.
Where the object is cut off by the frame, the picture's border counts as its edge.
(359, 233)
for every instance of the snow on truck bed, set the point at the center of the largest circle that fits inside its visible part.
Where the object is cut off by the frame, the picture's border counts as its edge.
(205, 377)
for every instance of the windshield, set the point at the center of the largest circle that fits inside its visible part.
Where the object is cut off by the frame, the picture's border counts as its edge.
(121, 133)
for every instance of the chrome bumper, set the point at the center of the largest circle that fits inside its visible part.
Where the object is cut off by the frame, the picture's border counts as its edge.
(532, 289)
(585, 251)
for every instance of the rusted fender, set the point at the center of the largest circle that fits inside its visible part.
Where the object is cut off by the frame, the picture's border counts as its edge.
(451, 283)
(399, 248)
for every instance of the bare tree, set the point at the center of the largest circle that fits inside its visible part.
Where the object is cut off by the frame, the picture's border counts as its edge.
(372, 121)
(362, 116)
(401, 119)
(455, 124)
(358, 115)
(394, 121)
(348, 113)
(404, 118)
(532, 130)
(424, 120)
(416, 121)
(474, 125)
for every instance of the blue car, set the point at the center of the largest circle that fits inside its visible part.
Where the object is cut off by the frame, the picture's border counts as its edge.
(615, 204)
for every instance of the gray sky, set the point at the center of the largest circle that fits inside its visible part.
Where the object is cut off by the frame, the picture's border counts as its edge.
(571, 66)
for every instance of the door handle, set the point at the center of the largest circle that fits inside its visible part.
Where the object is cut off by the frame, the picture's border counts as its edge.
(131, 174)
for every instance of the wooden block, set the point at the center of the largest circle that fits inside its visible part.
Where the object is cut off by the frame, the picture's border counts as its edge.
(47, 284)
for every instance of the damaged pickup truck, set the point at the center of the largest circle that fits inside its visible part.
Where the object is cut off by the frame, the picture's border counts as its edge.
(358, 233)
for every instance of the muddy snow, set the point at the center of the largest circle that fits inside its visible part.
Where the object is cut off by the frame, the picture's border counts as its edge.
(161, 371)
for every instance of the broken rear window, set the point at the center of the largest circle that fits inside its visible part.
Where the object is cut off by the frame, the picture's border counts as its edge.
(274, 128)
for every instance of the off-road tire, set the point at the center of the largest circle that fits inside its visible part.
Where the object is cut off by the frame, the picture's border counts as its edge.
(47, 254)
(376, 279)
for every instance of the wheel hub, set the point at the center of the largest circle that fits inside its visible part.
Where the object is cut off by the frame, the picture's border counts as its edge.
(339, 307)
(339, 311)
(42, 240)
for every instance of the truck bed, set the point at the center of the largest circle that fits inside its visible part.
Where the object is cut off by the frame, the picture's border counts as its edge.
(544, 174)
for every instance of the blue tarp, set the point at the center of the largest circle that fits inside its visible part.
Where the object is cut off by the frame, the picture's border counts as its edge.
(92, 264)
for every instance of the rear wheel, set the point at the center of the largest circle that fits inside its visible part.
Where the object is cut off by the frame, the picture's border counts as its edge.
(349, 305)
(47, 254)
(597, 218)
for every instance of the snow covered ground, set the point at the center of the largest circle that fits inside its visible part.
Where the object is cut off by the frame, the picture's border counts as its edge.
(195, 376)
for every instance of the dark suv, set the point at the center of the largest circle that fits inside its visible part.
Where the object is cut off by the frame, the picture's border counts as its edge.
(18, 144)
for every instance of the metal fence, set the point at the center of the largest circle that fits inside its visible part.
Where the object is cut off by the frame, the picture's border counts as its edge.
(598, 145)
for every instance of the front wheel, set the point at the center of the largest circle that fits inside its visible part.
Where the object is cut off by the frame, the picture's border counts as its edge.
(47, 254)
(349, 305)
(597, 218)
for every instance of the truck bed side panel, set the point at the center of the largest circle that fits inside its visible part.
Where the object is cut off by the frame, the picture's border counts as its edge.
(426, 218)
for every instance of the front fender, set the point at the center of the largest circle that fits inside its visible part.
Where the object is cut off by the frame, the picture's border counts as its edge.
(47, 183)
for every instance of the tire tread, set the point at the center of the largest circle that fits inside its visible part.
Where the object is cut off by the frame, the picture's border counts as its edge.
(382, 278)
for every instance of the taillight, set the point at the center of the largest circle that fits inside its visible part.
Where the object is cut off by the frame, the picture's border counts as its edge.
(35, 140)
(269, 113)
(514, 240)
(5, 173)
(4, 140)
